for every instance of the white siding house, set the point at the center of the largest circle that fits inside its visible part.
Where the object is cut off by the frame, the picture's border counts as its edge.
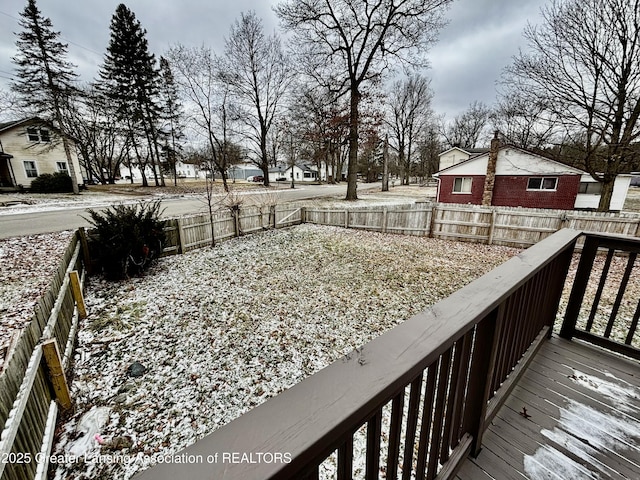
(589, 192)
(30, 148)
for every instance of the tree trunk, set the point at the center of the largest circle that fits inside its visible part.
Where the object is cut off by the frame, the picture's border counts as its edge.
(385, 165)
(606, 194)
(352, 169)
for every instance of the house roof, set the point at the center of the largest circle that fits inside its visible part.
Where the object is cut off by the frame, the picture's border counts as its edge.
(16, 123)
(469, 151)
(9, 125)
(510, 147)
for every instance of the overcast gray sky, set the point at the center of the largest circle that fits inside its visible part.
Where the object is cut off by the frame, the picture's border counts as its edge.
(478, 43)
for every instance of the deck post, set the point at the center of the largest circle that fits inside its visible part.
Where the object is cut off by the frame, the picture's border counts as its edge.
(483, 362)
(589, 251)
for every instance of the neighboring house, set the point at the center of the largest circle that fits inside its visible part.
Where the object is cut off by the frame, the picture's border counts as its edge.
(456, 155)
(510, 176)
(301, 173)
(30, 148)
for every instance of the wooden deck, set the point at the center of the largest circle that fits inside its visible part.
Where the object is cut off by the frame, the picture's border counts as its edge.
(582, 419)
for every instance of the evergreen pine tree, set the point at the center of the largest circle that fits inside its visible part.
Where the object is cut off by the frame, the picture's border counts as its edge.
(45, 77)
(129, 78)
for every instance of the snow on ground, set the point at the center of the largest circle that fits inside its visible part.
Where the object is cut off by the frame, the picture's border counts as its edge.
(628, 304)
(218, 331)
(26, 267)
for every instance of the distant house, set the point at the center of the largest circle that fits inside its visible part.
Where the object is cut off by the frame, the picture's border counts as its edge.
(29, 148)
(302, 172)
(456, 155)
(509, 176)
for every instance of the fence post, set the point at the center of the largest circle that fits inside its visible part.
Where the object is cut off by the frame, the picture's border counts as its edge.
(236, 220)
(56, 372)
(272, 211)
(76, 292)
(85, 250)
(303, 214)
(432, 222)
(180, 235)
(384, 220)
(346, 219)
(492, 226)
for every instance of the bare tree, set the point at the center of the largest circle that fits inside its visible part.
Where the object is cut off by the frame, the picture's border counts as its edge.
(354, 42)
(257, 72)
(523, 123)
(409, 112)
(101, 145)
(583, 65)
(197, 75)
(467, 128)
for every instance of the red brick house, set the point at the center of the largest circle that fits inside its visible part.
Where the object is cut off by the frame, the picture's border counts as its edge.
(512, 177)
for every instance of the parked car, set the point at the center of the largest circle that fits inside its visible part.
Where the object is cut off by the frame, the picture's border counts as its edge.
(255, 178)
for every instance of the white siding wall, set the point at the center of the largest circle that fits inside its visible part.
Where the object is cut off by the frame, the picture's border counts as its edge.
(45, 155)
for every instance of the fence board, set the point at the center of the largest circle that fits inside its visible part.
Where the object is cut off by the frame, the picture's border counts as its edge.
(508, 226)
(25, 391)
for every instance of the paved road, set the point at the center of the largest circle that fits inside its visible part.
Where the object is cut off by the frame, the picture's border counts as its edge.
(73, 217)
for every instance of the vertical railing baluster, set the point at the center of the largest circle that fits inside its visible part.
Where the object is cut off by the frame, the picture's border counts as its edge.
(450, 401)
(559, 274)
(412, 424)
(596, 299)
(589, 251)
(483, 363)
(345, 459)
(427, 415)
(508, 353)
(374, 429)
(633, 326)
(438, 415)
(397, 407)
(314, 474)
(621, 291)
(463, 376)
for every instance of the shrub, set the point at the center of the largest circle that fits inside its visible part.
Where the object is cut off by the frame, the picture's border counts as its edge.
(58, 182)
(126, 238)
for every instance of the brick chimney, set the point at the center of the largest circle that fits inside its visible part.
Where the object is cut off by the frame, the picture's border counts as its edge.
(490, 178)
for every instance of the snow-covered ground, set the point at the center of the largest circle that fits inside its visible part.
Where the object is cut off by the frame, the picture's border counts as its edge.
(218, 331)
(26, 267)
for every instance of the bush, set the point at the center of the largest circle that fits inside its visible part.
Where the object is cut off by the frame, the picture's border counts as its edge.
(127, 238)
(58, 182)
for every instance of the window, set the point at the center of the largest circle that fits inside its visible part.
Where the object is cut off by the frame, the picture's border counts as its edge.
(590, 188)
(462, 185)
(542, 183)
(62, 167)
(38, 134)
(30, 169)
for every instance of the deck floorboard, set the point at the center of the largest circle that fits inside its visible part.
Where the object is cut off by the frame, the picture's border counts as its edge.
(582, 419)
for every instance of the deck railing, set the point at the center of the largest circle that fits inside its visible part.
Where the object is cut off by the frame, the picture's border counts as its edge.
(413, 402)
(612, 325)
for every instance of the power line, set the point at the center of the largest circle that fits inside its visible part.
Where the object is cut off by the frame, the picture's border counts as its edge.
(63, 38)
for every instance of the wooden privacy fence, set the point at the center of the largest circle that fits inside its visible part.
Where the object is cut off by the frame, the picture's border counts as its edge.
(34, 374)
(509, 226)
(188, 233)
